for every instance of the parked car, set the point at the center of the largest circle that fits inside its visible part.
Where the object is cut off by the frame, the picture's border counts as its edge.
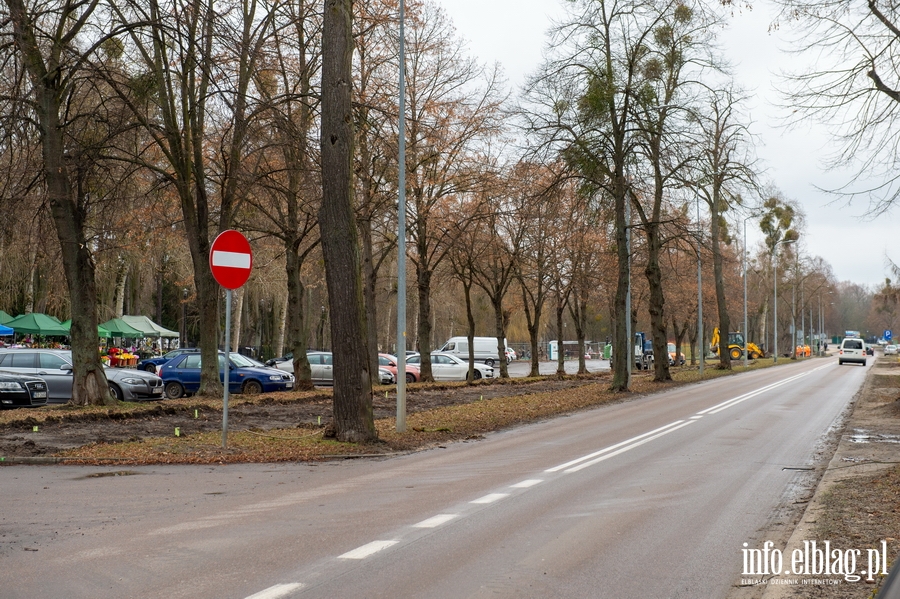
(55, 367)
(153, 364)
(182, 376)
(22, 391)
(389, 362)
(273, 362)
(320, 364)
(510, 355)
(485, 349)
(890, 350)
(447, 367)
(853, 349)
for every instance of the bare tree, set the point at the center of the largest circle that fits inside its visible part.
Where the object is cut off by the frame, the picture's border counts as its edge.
(851, 85)
(48, 38)
(353, 417)
(725, 167)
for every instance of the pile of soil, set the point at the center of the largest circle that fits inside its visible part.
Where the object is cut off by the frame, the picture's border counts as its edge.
(58, 429)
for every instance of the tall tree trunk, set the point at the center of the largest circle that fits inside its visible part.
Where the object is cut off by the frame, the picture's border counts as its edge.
(353, 416)
(237, 312)
(560, 352)
(89, 385)
(121, 276)
(423, 285)
(533, 321)
(721, 303)
(500, 331)
(370, 280)
(29, 283)
(298, 332)
(470, 328)
(658, 326)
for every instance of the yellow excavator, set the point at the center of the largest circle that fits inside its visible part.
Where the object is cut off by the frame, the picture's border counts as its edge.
(736, 346)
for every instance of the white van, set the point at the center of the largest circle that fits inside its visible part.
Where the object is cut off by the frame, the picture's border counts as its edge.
(853, 349)
(485, 349)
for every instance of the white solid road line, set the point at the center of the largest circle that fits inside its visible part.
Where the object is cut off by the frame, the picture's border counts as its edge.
(436, 521)
(491, 498)
(610, 448)
(527, 483)
(628, 447)
(368, 549)
(274, 592)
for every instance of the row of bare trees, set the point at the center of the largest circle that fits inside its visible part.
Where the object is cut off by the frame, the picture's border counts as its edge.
(138, 130)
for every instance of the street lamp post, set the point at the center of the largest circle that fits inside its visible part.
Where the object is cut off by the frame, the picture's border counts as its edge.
(775, 272)
(746, 334)
(701, 346)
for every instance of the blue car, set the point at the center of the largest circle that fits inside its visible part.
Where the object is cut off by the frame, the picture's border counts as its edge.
(153, 364)
(181, 376)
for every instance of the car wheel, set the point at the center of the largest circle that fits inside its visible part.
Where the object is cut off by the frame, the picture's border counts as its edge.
(252, 388)
(489, 362)
(410, 377)
(476, 375)
(150, 368)
(116, 392)
(735, 353)
(840, 362)
(174, 390)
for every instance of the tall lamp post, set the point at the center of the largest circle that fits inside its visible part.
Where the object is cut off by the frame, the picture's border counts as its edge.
(746, 334)
(701, 345)
(401, 235)
(775, 272)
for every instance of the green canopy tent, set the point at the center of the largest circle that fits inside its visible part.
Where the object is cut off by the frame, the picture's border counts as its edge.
(101, 331)
(119, 328)
(37, 324)
(150, 328)
(4, 317)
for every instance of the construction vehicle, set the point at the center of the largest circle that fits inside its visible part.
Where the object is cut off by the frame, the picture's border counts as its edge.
(643, 352)
(736, 347)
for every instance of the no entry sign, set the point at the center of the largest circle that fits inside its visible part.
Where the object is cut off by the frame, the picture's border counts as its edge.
(231, 259)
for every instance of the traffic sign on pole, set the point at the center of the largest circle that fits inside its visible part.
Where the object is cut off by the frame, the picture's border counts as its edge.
(231, 259)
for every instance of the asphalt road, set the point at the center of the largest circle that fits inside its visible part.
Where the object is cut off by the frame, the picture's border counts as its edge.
(652, 497)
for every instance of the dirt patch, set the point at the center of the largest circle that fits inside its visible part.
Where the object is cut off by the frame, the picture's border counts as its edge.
(46, 431)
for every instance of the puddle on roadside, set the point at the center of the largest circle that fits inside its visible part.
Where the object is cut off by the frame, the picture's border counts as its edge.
(863, 436)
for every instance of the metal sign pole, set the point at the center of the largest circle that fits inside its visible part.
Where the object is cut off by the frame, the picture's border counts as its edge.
(227, 359)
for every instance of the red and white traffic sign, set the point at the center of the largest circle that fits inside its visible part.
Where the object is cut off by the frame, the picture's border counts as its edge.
(231, 259)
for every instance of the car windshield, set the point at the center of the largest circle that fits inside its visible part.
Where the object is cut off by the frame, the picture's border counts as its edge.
(242, 361)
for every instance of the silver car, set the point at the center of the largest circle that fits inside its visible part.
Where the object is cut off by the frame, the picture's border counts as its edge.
(447, 367)
(55, 367)
(320, 364)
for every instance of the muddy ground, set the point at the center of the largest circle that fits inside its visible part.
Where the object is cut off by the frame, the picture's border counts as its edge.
(271, 411)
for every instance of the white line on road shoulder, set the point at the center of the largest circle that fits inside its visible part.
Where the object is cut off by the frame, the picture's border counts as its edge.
(491, 498)
(274, 592)
(436, 521)
(367, 549)
(527, 483)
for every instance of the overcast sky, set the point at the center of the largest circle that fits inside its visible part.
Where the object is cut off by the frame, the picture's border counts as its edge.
(512, 32)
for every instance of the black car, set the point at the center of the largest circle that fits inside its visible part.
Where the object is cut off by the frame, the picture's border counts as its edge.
(22, 391)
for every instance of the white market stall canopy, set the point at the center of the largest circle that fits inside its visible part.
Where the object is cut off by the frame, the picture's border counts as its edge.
(149, 328)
